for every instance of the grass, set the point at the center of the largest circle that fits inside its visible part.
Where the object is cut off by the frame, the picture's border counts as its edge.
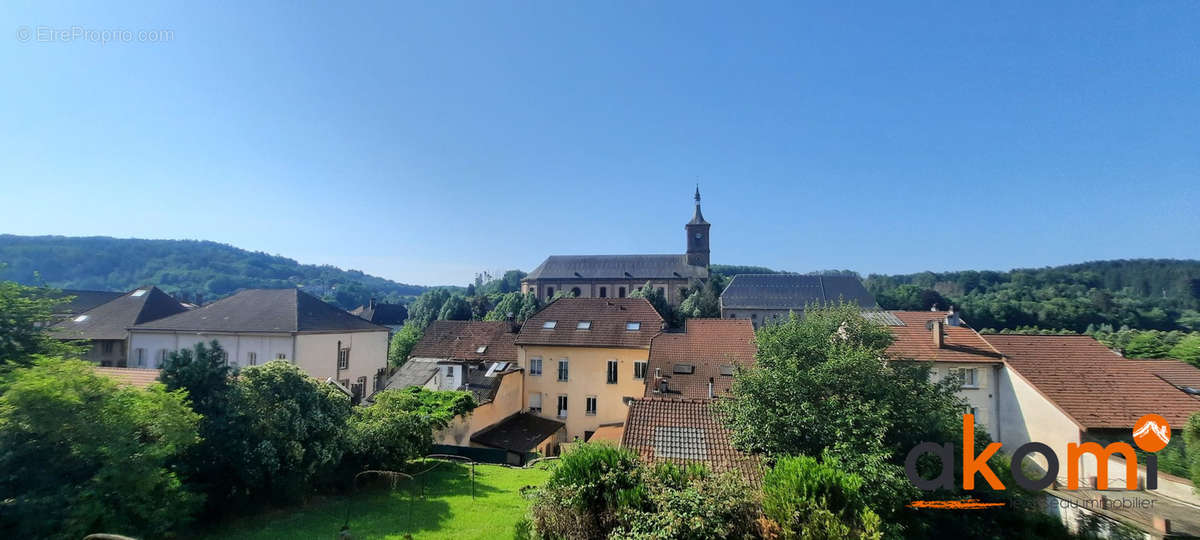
(446, 510)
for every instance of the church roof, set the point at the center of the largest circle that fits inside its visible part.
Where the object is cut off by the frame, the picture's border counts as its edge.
(792, 291)
(621, 267)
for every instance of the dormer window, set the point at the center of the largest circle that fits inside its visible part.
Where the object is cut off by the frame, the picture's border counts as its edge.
(549, 325)
(481, 349)
(633, 326)
(583, 325)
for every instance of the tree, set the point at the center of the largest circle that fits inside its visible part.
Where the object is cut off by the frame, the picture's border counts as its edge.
(212, 466)
(520, 306)
(658, 299)
(400, 425)
(1146, 345)
(1191, 436)
(296, 428)
(809, 499)
(1188, 349)
(456, 308)
(82, 455)
(24, 312)
(402, 344)
(426, 308)
(822, 387)
(703, 300)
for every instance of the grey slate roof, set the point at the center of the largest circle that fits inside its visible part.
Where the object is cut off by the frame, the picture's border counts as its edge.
(415, 372)
(112, 320)
(619, 267)
(264, 310)
(792, 291)
(385, 314)
(84, 300)
(520, 432)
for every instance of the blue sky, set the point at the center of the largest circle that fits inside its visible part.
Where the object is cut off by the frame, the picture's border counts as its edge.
(425, 142)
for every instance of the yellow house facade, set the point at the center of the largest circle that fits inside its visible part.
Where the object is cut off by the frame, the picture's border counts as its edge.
(585, 358)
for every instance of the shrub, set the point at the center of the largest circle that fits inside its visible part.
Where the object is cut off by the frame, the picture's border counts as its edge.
(400, 425)
(589, 488)
(81, 455)
(812, 500)
(690, 503)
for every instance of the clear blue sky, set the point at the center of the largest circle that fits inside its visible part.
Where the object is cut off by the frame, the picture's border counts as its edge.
(424, 143)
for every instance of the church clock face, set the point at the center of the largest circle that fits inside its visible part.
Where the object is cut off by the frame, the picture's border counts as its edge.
(699, 236)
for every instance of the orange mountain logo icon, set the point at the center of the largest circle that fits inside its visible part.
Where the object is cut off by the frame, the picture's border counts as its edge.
(1152, 433)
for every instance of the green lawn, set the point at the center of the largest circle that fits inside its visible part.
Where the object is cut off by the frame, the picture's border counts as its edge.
(446, 510)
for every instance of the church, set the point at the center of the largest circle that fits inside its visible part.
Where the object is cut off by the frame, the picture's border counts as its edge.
(616, 276)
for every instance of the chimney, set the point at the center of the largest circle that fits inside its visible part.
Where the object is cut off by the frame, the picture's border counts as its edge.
(710, 388)
(939, 337)
(952, 318)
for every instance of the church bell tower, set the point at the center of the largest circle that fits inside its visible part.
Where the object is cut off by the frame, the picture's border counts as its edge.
(697, 237)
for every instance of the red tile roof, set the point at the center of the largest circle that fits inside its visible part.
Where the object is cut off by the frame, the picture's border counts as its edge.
(1094, 385)
(1178, 374)
(706, 344)
(685, 431)
(140, 378)
(608, 433)
(914, 341)
(608, 317)
(461, 340)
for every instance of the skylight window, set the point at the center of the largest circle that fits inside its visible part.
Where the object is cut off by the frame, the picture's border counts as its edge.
(138, 292)
(684, 369)
(481, 349)
(727, 370)
(583, 325)
(549, 324)
(633, 326)
(81, 318)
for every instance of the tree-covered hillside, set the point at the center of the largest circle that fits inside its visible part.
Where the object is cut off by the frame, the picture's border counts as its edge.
(183, 268)
(1158, 294)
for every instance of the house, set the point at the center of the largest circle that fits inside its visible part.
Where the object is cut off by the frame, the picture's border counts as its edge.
(522, 435)
(585, 358)
(616, 276)
(389, 315)
(475, 356)
(698, 363)
(255, 326)
(944, 339)
(764, 298)
(1059, 390)
(106, 326)
(683, 431)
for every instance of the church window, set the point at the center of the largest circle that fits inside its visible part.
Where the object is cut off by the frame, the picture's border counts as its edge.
(603, 292)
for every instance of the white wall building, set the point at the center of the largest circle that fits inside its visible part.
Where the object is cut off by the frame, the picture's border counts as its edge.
(259, 325)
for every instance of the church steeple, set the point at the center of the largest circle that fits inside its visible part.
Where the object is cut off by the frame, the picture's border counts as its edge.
(697, 236)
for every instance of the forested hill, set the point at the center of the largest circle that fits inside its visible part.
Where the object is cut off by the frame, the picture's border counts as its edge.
(183, 268)
(1161, 294)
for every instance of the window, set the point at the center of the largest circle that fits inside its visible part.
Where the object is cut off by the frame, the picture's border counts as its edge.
(562, 370)
(727, 370)
(639, 370)
(968, 378)
(633, 326)
(252, 358)
(603, 292)
(591, 406)
(549, 325)
(549, 291)
(344, 359)
(535, 366)
(662, 291)
(162, 357)
(360, 387)
(139, 357)
(612, 372)
(449, 372)
(482, 349)
(108, 347)
(224, 357)
(281, 356)
(583, 325)
(562, 406)
(535, 402)
(621, 292)
(576, 292)
(684, 369)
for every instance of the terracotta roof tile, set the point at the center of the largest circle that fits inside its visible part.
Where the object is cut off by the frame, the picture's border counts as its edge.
(683, 431)
(1094, 385)
(140, 378)
(914, 341)
(461, 340)
(1178, 374)
(711, 346)
(608, 433)
(608, 318)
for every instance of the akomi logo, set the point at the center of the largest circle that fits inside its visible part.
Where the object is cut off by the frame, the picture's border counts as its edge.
(1151, 433)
